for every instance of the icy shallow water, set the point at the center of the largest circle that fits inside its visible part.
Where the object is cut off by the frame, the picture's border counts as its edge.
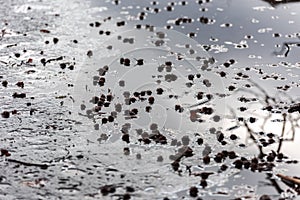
(149, 100)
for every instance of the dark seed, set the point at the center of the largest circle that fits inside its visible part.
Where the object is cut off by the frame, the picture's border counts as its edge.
(105, 190)
(238, 164)
(126, 62)
(5, 114)
(31, 111)
(226, 64)
(104, 120)
(200, 95)
(218, 158)
(199, 141)
(126, 196)
(193, 191)
(233, 137)
(159, 159)
(143, 93)
(97, 24)
(223, 167)
(175, 165)
(121, 23)
(231, 61)
(168, 63)
(252, 120)
(148, 108)
(126, 151)
(62, 65)
(129, 189)
(109, 97)
(5, 152)
(222, 74)
(89, 53)
(271, 158)
(19, 95)
(169, 8)
(95, 100)
(55, 40)
(122, 61)
(264, 197)
(159, 91)
(125, 138)
(247, 164)
(4, 83)
(280, 156)
(140, 62)
(151, 100)
(232, 155)
(71, 67)
(111, 118)
(206, 159)
(149, 92)
(43, 61)
(191, 77)
(231, 88)
(206, 110)
(203, 183)
(20, 84)
(220, 136)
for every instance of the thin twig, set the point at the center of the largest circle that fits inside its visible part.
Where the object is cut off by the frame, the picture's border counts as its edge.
(261, 153)
(274, 183)
(282, 133)
(293, 180)
(42, 166)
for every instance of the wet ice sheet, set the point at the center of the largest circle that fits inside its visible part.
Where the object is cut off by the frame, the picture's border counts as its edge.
(159, 82)
(82, 160)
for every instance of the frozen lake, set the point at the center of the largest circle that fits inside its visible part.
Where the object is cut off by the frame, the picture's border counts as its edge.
(136, 99)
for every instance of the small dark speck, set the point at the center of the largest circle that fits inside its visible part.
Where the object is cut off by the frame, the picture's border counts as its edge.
(199, 141)
(139, 61)
(126, 151)
(252, 119)
(55, 40)
(89, 53)
(159, 91)
(193, 191)
(5, 114)
(71, 67)
(233, 137)
(231, 88)
(129, 189)
(82, 107)
(226, 64)
(97, 24)
(20, 84)
(4, 83)
(222, 74)
(62, 65)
